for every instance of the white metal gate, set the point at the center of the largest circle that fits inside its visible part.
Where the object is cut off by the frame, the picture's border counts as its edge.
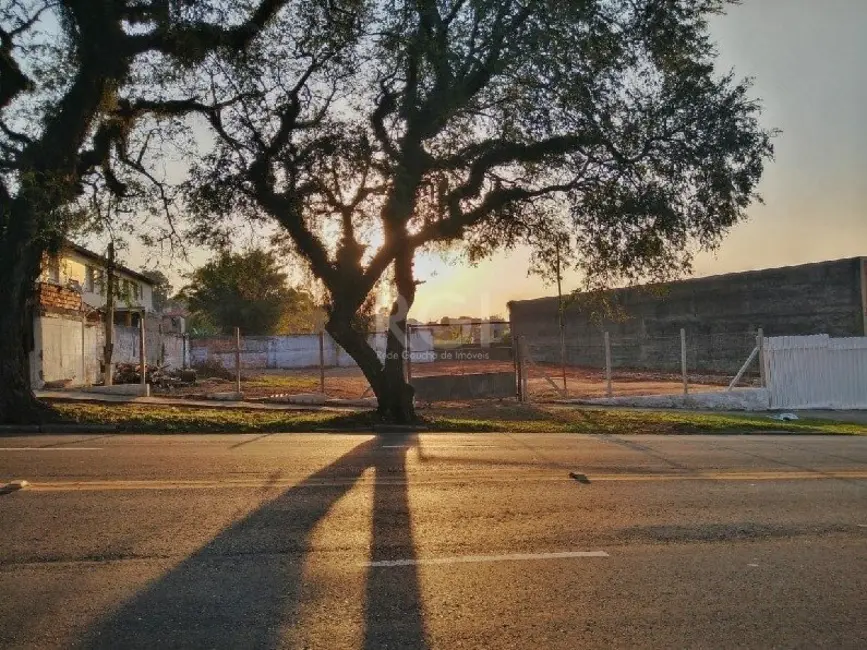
(816, 372)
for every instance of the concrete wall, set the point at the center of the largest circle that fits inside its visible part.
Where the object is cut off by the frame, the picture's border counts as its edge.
(165, 349)
(444, 388)
(721, 315)
(297, 351)
(58, 354)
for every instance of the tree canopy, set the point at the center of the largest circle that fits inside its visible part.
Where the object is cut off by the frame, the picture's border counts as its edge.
(250, 291)
(364, 131)
(85, 89)
(601, 126)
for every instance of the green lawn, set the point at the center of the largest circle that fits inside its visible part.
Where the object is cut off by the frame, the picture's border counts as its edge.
(490, 417)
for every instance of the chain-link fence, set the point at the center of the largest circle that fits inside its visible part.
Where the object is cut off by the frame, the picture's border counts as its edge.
(461, 348)
(281, 366)
(611, 365)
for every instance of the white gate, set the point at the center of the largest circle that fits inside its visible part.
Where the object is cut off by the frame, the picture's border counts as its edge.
(816, 372)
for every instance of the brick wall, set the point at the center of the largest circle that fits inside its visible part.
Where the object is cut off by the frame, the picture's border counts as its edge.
(52, 296)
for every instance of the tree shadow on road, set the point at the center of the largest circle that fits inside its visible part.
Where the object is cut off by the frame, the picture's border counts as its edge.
(244, 587)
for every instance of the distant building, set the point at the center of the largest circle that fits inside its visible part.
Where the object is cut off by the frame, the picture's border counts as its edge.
(69, 320)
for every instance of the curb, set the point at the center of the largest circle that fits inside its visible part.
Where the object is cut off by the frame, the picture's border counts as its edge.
(19, 428)
(11, 429)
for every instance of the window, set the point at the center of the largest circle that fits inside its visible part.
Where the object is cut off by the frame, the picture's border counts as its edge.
(89, 279)
(54, 270)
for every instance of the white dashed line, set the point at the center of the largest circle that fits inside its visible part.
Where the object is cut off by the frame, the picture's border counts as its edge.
(426, 447)
(472, 559)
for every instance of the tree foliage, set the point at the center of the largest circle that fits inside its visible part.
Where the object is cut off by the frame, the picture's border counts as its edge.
(602, 125)
(86, 89)
(250, 291)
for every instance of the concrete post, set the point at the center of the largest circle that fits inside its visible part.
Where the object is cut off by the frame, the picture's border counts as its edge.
(83, 353)
(238, 358)
(683, 361)
(522, 356)
(142, 351)
(516, 354)
(608, 390)
(322, 362)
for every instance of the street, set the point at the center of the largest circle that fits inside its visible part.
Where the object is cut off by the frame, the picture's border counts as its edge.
(434, 540)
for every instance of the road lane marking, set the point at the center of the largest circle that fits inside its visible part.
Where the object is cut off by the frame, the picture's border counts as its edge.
(473, 559)
(51, 448)
(503, 476)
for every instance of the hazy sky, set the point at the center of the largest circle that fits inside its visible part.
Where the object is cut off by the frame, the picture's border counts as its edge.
(809, 61)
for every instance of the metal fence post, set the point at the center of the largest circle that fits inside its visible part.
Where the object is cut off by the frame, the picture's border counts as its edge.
(683, 361)
(322, 361)
(760, 344)
(608, 390)
(238, 358)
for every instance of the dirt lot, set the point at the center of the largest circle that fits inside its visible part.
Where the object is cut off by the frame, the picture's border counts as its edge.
(349, 383)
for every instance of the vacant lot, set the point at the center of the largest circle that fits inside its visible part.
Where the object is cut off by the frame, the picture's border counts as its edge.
(545, 381)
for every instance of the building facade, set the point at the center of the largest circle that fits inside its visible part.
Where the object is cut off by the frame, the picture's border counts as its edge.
(84, 271)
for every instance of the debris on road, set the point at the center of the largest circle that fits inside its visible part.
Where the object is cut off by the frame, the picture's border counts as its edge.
(14, 486)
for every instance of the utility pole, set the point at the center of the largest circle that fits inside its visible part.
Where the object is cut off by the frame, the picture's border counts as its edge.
(109, 316)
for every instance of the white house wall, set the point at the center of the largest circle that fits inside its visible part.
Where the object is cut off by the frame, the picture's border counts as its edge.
(73, 269)
(57, 354)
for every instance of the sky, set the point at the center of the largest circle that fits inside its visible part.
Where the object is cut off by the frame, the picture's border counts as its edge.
(809, 64)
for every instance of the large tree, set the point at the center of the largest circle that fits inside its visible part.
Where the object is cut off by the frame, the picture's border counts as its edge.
(72, 74)
(599, 126)
(248, 290)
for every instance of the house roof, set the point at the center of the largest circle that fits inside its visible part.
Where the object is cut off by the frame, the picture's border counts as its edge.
(81, 250)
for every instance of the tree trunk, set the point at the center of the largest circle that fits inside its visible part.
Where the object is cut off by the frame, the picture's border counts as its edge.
(387, 380)
(399, 403)
(19, 268)
(393, 395)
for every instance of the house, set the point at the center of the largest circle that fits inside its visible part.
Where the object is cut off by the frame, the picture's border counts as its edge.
(84, 272)
(69, 320)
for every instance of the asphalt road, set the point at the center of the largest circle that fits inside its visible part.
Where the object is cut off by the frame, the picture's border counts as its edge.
(445, 541)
